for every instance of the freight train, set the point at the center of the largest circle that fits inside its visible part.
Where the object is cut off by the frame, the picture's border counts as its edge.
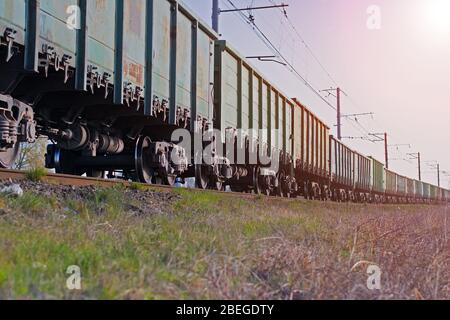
(111, 82)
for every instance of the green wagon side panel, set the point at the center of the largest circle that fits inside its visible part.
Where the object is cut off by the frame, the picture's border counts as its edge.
(12, 15)
(342, 167)
(101, 45)
(273, 120)
(281, 123)
(230, 91)
(362, 172)
(378, 175)
(290, 135)
(305, 136)
(161, 50)
(410, 187)
(257, 96)
(53, 27)
(418, 188)
(264, 114)
(184, 58)
(134, 42)
(205, 74)
(297, 133)
(246, 98)
(391, 182)
(401, 185)
(426, 190)
(433, 192)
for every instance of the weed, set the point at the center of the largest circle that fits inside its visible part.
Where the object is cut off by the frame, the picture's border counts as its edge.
(137, 186)
(36, 174)
(34, 203)
(108, 200)
(215, 246)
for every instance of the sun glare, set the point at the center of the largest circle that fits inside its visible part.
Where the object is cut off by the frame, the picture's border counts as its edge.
(438, 15)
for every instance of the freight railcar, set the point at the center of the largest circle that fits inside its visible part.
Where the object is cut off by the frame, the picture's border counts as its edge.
(311, 152)
(418, 188)
(109, 88)
(426, 192)
(391, 186)
(341, 168)
(377, 190)
(401, 188)
(410, 190)
(110, 83)
(362, 178)
(258, 118)
(433, 193)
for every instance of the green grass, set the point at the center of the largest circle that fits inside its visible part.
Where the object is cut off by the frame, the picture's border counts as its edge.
(36, 174)
(109, 201)
(137, 186)
(31, 203)
(208, 246)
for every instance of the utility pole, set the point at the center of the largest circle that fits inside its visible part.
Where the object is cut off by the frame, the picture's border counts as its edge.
(215, 15)
(415, 156)
(339, 115)
(216, 12)
(379, 137)
(339, 124)
(420, 169)
(386, 150)
(338, 108)
(435, 165)
(439, 175)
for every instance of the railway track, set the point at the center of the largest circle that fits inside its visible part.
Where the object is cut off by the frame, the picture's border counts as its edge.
(69, 180)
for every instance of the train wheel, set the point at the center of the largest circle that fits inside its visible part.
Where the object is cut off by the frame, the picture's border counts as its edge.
(281, 185)
(269, 186)
(305, 190)
(324, 193)
(8, 157)
(202, 179)
(216, 184)
(311, 191)
(167, 181)
(170, 180)
(143, 169)
(258, 186)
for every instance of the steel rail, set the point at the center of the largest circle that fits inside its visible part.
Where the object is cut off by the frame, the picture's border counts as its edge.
(70, 180)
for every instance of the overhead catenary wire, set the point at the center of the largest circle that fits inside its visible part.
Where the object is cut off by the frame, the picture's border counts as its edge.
(250, 20)
(321, 65)
(302, 40)
(271, 46)
(317, 60)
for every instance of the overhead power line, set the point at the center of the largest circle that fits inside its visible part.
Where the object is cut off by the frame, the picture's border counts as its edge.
(302, 40)
(271, 46)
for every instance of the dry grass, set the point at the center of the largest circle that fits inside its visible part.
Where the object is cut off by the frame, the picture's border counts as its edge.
(208, 246)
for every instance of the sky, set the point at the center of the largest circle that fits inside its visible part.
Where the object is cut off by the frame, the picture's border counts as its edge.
(391, 57)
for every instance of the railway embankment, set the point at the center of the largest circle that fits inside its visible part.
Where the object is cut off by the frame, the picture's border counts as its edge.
(136, 243)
